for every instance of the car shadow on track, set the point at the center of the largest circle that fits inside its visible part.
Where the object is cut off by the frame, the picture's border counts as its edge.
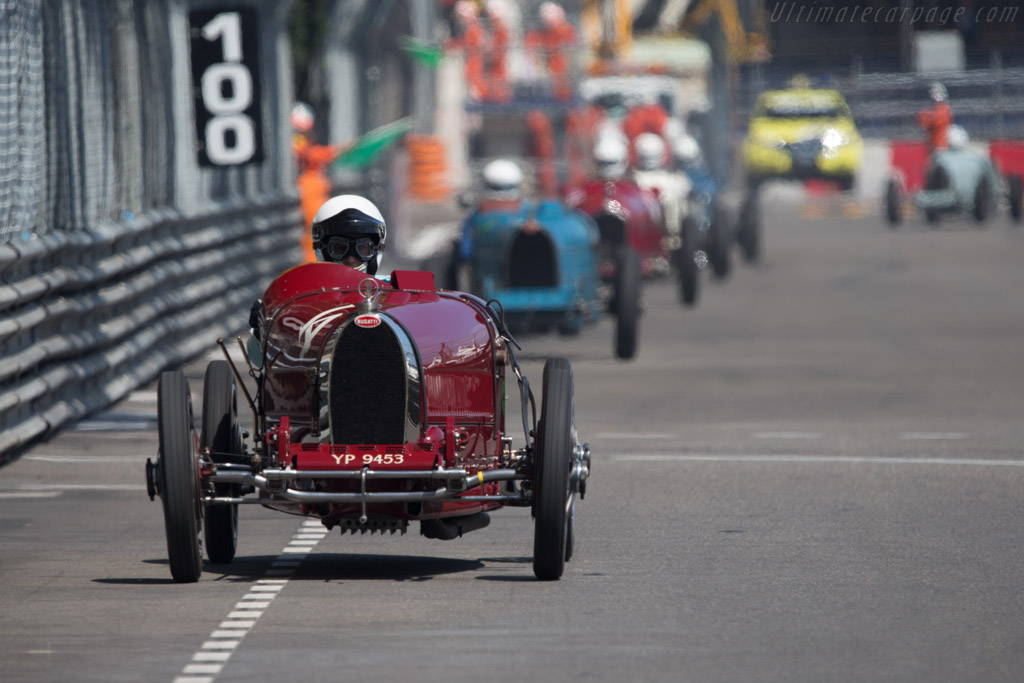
(355, 567)
(345, 567)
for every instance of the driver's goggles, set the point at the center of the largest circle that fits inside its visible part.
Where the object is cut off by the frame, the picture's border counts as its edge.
(338, 247)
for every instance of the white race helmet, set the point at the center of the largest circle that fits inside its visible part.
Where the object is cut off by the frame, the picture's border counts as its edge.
(302, 117)
(353, 217)
(551, 13)
(957, 137)
(611, 157)
(650, 152)
(686, 150)
(466, 10)
(503, 179)
(938, 92)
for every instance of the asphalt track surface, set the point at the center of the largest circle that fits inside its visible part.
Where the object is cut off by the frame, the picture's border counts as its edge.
(815, 475)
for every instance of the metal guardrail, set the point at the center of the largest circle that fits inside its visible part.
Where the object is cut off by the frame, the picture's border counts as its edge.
(88, 317)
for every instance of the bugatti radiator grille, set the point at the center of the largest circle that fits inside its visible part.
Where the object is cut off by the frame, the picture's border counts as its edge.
(531, 261)
(368, 388)
(612, 229)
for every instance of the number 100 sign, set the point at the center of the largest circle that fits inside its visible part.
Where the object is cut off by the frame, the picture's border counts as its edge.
(226, 86)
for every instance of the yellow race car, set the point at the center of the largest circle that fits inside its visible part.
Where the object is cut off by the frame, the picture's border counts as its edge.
(802, 133)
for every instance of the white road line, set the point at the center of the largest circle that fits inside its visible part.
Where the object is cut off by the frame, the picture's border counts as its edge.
(86, 459)
(787, 435)
(142, 396)
(16, 495)
(632, 435)
(81, 487)
(828, 459)
(114, 426)
(932, 436)
(211, 656)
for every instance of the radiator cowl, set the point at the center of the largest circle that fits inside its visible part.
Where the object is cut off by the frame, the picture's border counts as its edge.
(371, 390)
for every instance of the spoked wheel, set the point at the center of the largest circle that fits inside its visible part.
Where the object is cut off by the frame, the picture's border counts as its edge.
(179, 477)
(689, 280)
(221, 434)
(893, 203)
(1016, 196)
(936, 179)
(627, 302)
(984, 197)
(749, 234)
(552, 496)
(720, 238)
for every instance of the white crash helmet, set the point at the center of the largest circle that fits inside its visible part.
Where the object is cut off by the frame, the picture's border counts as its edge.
(938, 93)
(350, 216)
(957, 137)
(611, 157)
(551, 14)
(466, 11)
(503, 179)
(302, 117)
(686, 150)
(650, 152)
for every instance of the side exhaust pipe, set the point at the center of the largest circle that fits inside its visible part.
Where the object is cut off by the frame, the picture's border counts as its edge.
(453, 527)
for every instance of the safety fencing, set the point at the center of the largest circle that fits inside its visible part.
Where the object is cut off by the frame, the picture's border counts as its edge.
(147, 194)
(88, 318)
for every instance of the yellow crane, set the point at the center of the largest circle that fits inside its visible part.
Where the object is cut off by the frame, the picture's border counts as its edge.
(607, 27)
(743, 46)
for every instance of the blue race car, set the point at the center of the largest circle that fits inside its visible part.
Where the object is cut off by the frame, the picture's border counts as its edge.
(539, 260)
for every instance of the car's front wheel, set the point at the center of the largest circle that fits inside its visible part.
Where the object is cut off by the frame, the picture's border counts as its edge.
(689, 272)
(552, 493)
(893, 203)
(627, 302)
(178, 466)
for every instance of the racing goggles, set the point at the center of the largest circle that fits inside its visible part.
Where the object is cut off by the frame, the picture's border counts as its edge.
(338, 248)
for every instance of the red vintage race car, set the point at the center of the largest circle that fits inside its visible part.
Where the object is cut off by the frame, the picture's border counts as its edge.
(377, 404)
(626, 215)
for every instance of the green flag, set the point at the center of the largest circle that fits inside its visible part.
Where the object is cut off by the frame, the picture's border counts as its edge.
(368, 147)
(423, 52)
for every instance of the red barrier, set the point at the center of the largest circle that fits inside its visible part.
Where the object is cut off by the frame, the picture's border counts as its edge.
(1008, 155)
(909, 159)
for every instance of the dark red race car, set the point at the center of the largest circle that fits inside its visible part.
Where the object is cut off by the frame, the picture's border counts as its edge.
(376, 404)
(626, 215)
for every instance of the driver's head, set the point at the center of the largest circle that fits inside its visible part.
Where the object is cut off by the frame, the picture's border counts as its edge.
(503, 180)
(350, 230)
(938, 93)
(957, 137)
(650, 152)
(611, 158)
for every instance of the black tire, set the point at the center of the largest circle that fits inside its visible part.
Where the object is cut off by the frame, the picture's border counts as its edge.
(749, 233)
(689, 272)
(720, 239)
(984, 198)
(893, 203)
(847, 182)
(221, 434)
(179, 477)
(551, 478)
(1015, 186)
(627, 302)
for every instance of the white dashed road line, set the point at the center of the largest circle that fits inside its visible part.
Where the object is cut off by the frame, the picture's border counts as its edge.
(932, 436)
(215, 652)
